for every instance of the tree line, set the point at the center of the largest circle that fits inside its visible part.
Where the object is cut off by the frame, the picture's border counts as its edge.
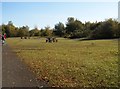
(73, 28)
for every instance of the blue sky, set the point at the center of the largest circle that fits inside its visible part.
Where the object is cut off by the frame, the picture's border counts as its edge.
(43, 14)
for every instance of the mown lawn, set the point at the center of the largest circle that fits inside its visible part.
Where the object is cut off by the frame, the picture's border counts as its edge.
(70, 63)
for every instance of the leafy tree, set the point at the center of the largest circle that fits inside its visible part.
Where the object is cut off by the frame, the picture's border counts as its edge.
(23, 31)
(9, 29)
(118, 31)
(74, 28)
(34, 32)
(20, 32)
(3, 28)
(114, 28)
(42, 32)
(59, 29)
(70, 19)
(10, 23)
(47, 31)
(103, 31)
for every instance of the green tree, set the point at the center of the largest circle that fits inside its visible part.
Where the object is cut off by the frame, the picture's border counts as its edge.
(42, 32)
(3, 28)
(103, 31)
(74, 28)
(20, 32)
(118, 31)
(114, 23)
(10, 29)
(48, 31)
(34, 32)
(59, 29)
(23, 31)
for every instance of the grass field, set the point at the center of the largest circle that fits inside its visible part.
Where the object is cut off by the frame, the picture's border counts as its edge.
(70, 63)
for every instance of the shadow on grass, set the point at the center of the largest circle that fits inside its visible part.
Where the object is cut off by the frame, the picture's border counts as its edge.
(89, 39)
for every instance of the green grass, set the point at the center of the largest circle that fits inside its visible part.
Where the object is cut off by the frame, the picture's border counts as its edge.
(70, 63)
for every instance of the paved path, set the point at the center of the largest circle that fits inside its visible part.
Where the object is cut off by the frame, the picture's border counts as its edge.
(15, 73)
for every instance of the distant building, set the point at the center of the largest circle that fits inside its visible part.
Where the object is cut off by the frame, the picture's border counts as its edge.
(119, 11)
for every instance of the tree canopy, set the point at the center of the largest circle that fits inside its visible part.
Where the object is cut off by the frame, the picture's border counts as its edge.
(110, 28)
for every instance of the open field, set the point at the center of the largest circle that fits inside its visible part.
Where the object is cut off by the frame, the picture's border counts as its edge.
(70, 63)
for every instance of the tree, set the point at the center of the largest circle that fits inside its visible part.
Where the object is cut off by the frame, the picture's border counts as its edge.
(70, 19)
(34, 32)
(23, 31)
(47, 31)
(74, 28)
(10, 23)
(118, 31)
(10, 29)
(42, 32)
(115, 27)
(103, 31)
(59, 29)
(3, 28)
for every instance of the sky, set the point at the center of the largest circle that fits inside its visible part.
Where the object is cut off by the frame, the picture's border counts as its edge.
(43, 14)
(119, 11)
(59, 0)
